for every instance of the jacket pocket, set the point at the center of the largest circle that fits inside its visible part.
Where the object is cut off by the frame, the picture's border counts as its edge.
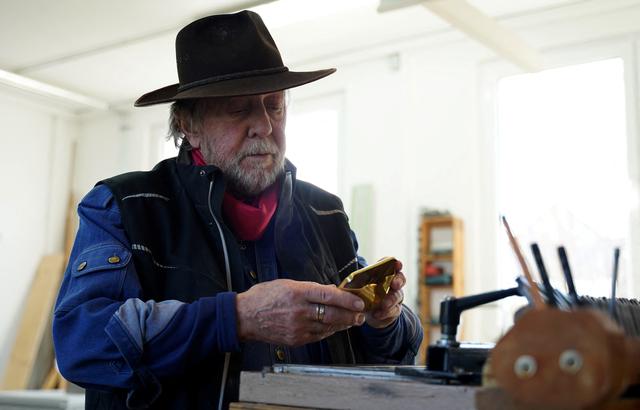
(99, 258)
(97, 273)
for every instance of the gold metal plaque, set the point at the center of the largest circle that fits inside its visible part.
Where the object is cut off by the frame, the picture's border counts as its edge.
(371, 283)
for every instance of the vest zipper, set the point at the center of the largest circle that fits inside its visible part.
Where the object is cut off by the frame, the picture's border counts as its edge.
(227, 267)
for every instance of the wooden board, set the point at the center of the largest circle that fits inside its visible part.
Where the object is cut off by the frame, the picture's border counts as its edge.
(71, 226)
(331, 392)
(32, 353)
(260, 406)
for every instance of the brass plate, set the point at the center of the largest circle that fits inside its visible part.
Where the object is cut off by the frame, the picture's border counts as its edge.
(371, 283)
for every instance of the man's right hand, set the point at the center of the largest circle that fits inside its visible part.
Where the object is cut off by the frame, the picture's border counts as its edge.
(285, 312)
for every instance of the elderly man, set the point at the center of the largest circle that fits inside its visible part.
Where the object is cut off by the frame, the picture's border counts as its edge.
(218, 260)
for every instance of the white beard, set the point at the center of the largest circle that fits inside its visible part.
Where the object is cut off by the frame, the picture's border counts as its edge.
(247, 179)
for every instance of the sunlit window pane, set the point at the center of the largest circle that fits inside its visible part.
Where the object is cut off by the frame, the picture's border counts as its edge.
(312, 143)
(562, 171)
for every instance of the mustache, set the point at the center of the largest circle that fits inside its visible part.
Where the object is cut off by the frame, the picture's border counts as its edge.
(259, 147)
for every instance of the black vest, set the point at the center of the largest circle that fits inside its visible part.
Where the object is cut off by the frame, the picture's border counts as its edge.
(169, 216)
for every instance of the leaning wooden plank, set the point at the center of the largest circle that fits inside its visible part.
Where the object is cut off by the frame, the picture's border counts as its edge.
(71, 226)
(32, 351)
(51, 382)
(72, 222)
(64, 383)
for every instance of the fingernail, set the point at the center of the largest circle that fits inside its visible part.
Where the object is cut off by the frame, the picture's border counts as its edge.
(358, 304)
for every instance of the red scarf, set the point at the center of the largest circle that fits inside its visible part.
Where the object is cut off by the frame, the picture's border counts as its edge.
(248, 221)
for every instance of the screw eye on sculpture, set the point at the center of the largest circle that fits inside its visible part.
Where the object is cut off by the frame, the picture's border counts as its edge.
(525, 366)
(570, 361)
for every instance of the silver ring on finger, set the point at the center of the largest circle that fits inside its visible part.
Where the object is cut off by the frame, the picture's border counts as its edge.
(320, 311)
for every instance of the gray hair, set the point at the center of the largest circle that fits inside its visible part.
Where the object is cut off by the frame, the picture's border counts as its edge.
(192, 110)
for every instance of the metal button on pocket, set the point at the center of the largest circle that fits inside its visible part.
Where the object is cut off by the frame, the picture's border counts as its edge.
(280, 353)
(113, 259)
(81, 266)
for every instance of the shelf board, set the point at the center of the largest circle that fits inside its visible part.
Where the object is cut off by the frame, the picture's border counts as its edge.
(450, 285)
(438, 220)
(449, 257)
(439, 257)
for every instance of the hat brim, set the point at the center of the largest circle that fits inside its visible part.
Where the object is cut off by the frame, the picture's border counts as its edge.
(253, 85)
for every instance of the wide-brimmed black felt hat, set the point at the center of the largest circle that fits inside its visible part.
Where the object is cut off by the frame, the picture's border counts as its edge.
(228, 55)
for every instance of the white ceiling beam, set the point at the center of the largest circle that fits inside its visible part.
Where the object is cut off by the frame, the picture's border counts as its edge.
(46, 90)
(389, 5)
(479, 26)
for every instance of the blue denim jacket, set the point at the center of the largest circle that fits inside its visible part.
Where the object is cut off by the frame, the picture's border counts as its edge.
(102, 327)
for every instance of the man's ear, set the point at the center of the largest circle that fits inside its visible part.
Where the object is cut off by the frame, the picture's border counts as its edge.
(190, 132)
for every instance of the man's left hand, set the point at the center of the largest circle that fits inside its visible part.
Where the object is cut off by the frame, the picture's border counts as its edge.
(391, 306)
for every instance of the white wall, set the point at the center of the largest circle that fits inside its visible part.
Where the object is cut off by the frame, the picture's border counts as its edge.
(117, 141)
(35, 174)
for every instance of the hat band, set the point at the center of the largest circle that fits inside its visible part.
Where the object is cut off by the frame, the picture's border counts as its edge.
(233, 76)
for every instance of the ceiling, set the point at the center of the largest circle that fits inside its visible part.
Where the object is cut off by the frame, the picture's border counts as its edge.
(116, 50)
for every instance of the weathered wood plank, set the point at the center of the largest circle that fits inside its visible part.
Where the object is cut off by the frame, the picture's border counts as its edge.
(260, 406)
(32, 352)
(328, 392)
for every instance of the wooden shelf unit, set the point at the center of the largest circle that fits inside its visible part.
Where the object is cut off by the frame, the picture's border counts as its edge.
(452, 259)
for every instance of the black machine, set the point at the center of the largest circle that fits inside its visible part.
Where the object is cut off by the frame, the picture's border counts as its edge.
(450, 361)
(462, 361)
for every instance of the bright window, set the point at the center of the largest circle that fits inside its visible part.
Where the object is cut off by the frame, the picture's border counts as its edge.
(169, 148)
(313, 128)
(562, 172)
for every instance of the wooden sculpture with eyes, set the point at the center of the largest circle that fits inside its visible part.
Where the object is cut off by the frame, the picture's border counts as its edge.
(578, 359)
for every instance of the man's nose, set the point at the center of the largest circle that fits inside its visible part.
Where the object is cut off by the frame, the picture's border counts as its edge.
(260, 122)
